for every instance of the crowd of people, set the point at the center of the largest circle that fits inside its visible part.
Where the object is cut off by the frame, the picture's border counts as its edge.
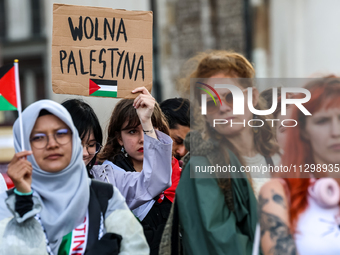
(139, 191)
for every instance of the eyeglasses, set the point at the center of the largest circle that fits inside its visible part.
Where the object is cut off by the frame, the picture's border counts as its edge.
(226, 98)
(93, 147)
(41, 140)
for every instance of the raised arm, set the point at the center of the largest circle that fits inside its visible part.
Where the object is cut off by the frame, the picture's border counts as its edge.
(156, 174)
(276, 234)
(138, 188)
(145, 104)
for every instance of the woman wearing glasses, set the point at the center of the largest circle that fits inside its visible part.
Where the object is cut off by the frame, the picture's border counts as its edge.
(89, 130)
(137, 188)
(57, 209)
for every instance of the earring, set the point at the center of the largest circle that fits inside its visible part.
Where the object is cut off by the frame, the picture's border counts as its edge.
(255, 129)
(124, 151)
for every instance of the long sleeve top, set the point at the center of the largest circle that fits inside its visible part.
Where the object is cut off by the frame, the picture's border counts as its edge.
(141, 187)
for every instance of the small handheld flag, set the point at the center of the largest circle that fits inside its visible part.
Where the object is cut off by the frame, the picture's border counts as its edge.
(8, 97)
(10, 92)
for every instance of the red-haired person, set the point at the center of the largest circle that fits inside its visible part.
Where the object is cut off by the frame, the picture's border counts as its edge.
(215, 211)
(300, 214)
(256, 145)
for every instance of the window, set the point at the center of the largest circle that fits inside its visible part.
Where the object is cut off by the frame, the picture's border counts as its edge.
(36, 17)
(2, 20)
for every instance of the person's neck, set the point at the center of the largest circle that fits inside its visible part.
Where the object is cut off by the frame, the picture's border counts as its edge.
(244, 142)
(137, 165)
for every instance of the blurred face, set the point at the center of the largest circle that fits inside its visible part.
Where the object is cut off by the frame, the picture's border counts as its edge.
(178, 135)
(89, 145)
(51, 143)
(323, 132)
(132, 140)
(225, 111)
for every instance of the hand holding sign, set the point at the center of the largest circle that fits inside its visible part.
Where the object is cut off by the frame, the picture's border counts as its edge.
(145, 104)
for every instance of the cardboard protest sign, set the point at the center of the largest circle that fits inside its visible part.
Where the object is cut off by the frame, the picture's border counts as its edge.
(100, 51)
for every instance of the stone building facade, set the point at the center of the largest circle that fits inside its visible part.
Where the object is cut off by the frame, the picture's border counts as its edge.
(191, 26)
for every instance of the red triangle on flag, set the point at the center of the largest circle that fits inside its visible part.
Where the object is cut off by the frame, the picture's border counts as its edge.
(93, 87)
(7, 87)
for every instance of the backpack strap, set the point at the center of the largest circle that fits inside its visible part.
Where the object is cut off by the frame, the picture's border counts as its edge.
(103, 192)
(100, 194)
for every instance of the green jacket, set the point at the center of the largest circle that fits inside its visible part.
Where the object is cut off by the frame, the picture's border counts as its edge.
(211, 221)
(207, 225)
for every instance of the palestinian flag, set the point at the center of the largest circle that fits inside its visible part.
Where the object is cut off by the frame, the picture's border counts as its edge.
(103, 88)
(8, 99)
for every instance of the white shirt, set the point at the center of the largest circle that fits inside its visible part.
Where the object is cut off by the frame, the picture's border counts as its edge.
(317, 230)
(258, 164)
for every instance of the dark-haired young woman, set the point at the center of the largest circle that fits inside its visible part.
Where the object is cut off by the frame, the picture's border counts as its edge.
(137, 188)
(89, 130)
(131, 145)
